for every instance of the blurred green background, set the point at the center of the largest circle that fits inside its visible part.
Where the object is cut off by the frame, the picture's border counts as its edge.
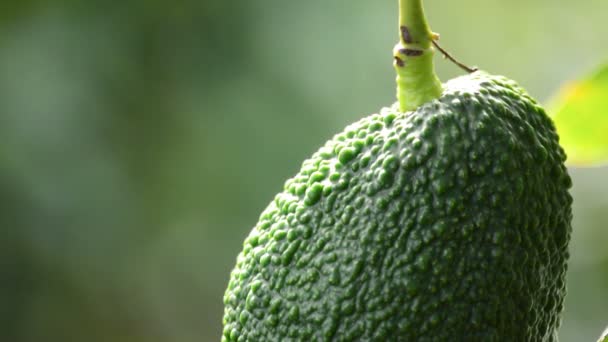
(140, 140)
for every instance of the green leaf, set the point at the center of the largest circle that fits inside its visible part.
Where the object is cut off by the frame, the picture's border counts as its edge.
(604, 337)
(580, 112)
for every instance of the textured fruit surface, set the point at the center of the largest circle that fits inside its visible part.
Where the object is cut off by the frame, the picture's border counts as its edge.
(447, 223)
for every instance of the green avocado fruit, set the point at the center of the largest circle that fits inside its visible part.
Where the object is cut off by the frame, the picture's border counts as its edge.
(449, 222)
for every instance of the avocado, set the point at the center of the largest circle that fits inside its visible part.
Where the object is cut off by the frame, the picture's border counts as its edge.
(449, 222)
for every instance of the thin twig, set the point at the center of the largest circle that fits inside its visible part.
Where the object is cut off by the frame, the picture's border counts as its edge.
(448, 56)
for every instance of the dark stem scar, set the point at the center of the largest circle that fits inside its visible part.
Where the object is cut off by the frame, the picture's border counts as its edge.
(399, 61)
(411, 52)
(405, 34)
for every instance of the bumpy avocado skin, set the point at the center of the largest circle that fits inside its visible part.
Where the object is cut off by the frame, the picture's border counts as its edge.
(447, 223)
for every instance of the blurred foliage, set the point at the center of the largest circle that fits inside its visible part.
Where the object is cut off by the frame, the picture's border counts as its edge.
(140, 140)
(604, 337)
(581, 119)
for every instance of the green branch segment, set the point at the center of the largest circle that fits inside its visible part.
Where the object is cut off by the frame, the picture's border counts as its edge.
(417, 82)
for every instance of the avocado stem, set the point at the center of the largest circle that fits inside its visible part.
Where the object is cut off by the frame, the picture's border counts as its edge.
(417, 82)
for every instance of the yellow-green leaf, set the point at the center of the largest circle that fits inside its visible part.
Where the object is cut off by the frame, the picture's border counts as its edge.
(604, 337)
(580, 112)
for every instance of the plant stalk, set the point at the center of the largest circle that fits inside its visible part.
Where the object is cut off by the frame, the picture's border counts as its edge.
(417, 82)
